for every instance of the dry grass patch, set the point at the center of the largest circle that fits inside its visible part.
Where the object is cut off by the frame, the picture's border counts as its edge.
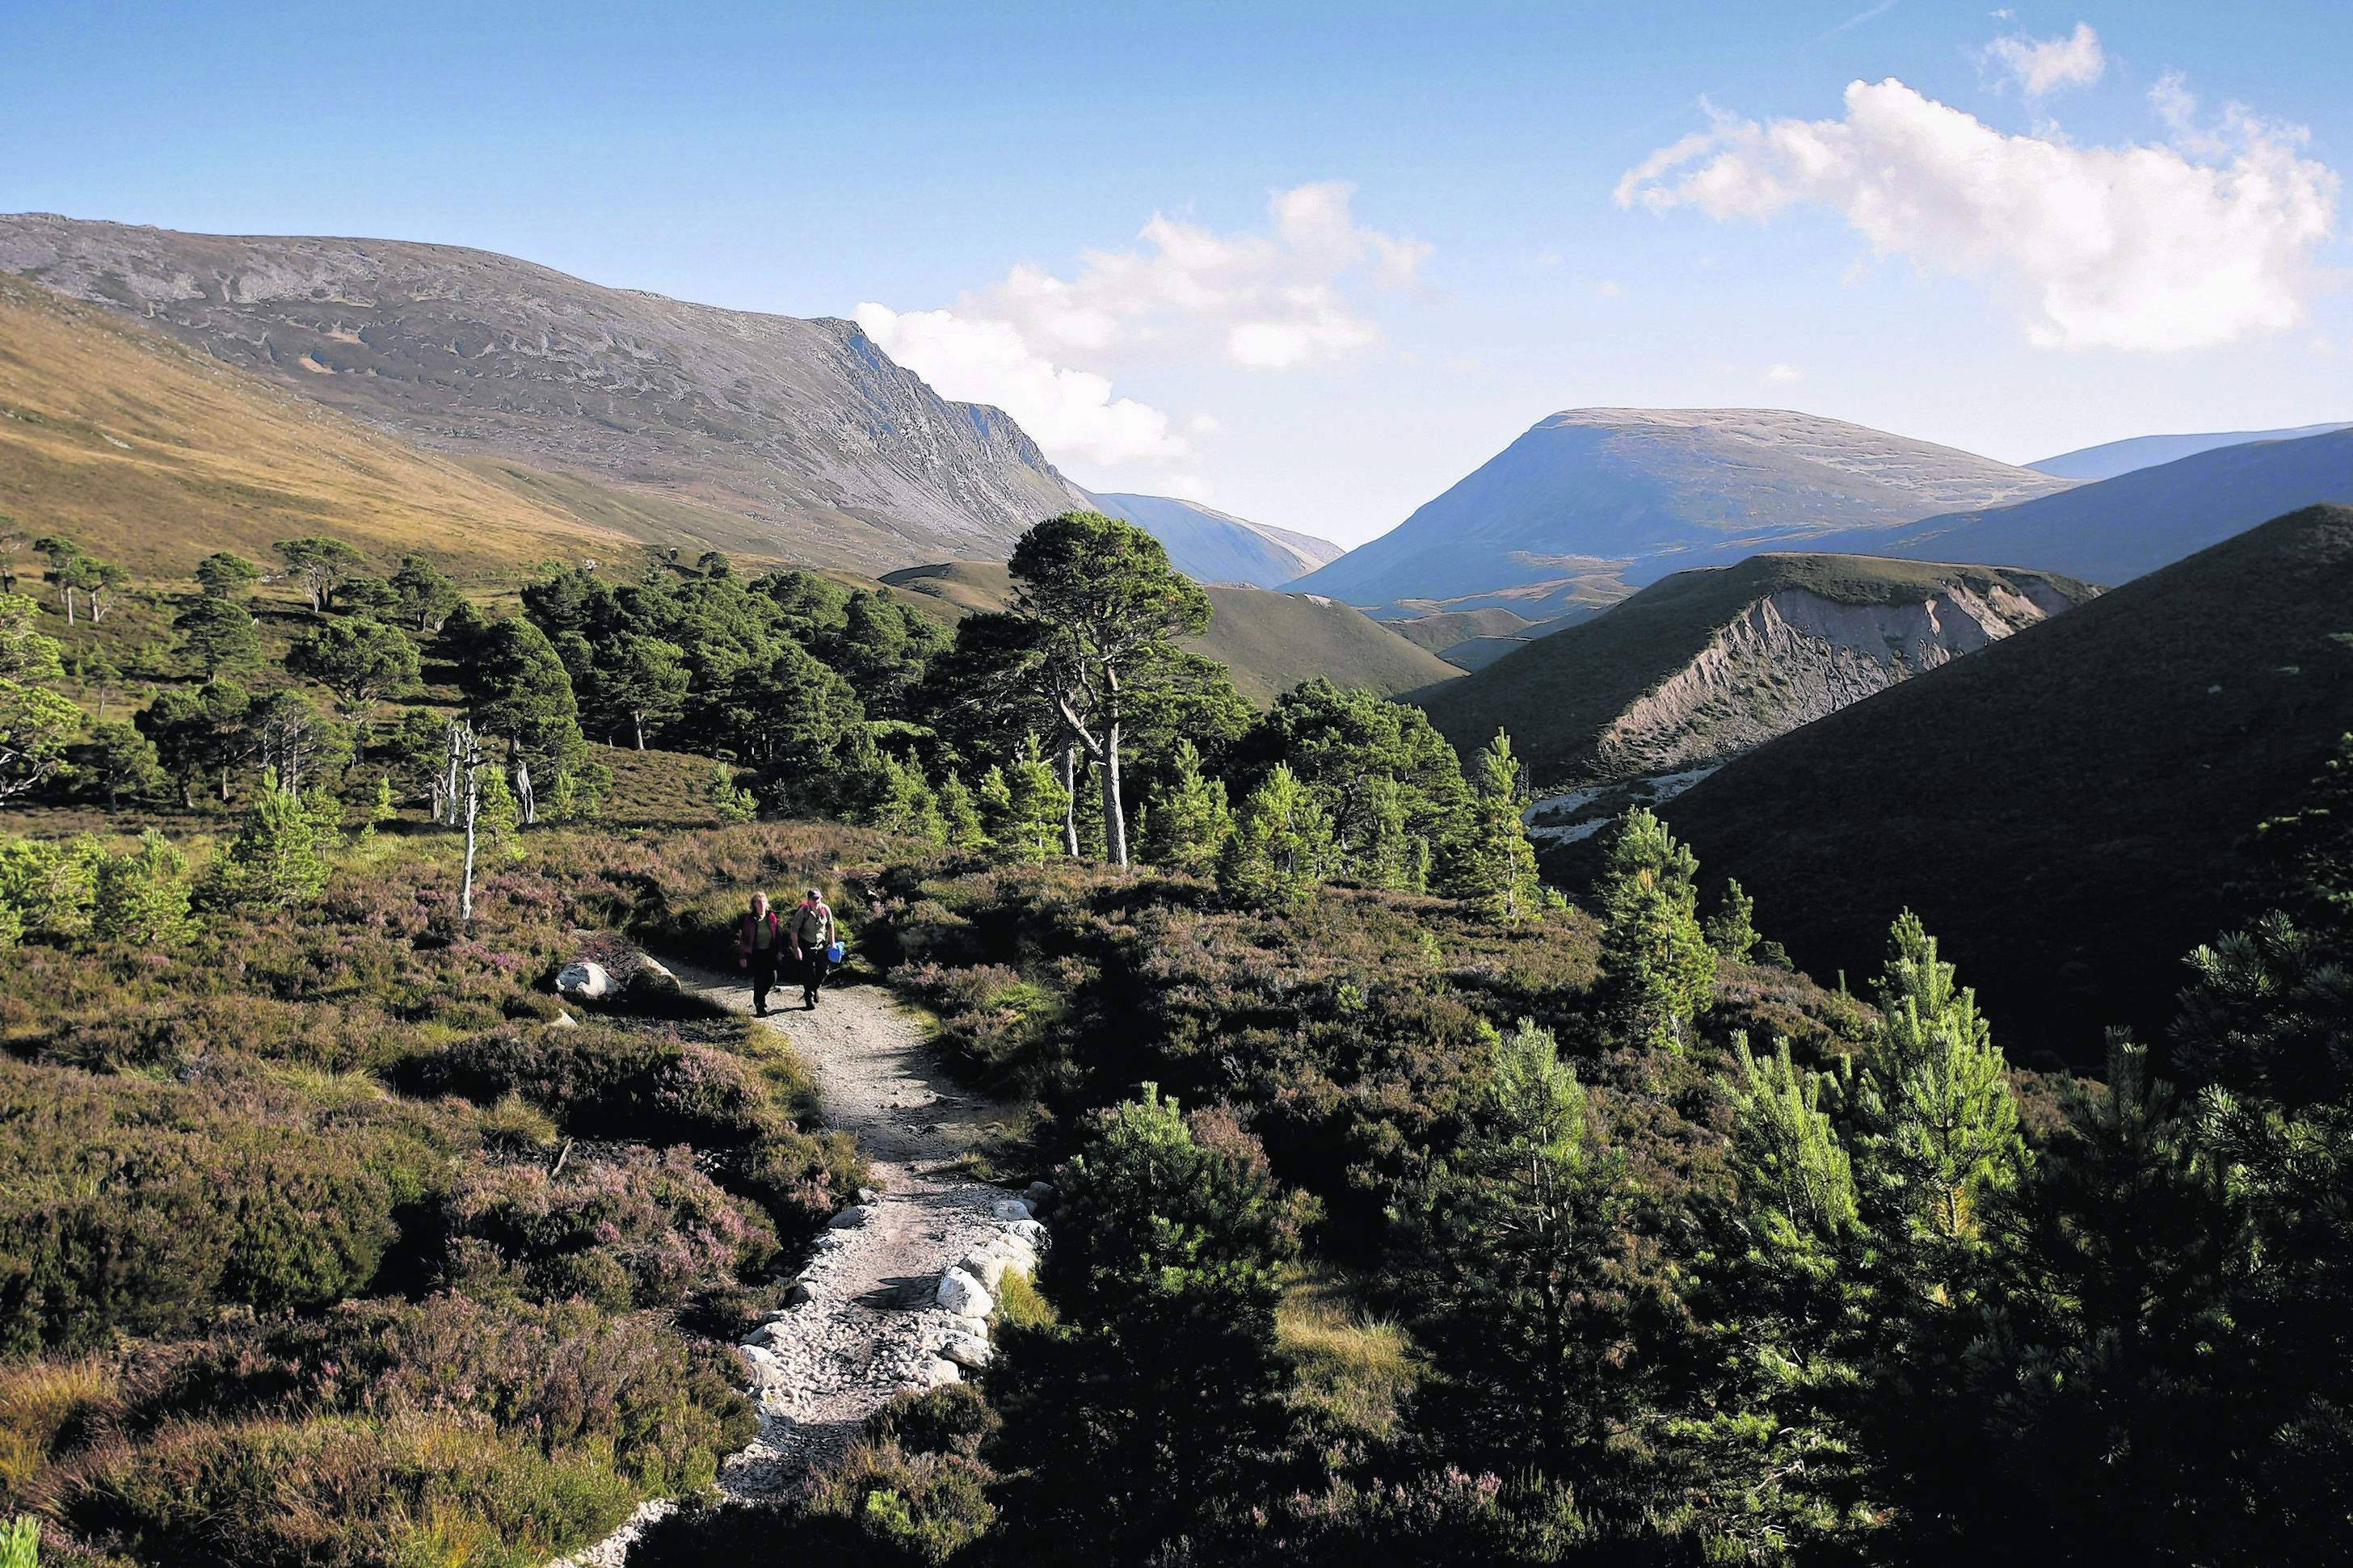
(1354, 1368)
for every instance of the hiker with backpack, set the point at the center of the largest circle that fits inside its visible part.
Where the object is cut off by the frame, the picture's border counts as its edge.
(759, 943)
(815, 944)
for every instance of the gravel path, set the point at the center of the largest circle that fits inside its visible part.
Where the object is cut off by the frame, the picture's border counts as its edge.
(872, 1321)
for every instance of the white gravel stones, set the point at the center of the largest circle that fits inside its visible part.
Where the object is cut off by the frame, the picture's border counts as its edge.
(964, 1296)
(584, 981)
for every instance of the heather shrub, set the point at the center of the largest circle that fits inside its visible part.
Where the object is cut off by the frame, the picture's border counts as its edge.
(326, 1491)
(604, 1080)
(951, 1419)
(634, 1227)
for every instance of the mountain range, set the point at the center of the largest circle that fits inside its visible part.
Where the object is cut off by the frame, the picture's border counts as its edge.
(2118, 528)
(1594, 501)
(826, 451)
(2110, 458)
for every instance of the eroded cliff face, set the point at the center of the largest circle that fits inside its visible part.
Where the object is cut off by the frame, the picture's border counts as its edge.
(1794, 657)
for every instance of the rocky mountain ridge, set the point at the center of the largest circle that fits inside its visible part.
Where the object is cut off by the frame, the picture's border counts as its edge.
(803, 428)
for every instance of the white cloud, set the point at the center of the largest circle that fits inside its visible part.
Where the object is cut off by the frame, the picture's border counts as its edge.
(1783, 374)
(1608, 288)
(2039, 65)
(1276, 301)
(1265, 301)
(1069, 412)
(2160, 247)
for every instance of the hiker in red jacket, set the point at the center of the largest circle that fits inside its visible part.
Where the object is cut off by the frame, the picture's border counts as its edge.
(759, 943)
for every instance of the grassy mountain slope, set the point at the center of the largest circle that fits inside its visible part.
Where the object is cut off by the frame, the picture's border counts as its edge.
(2119, 528)
(154, 454)
(824, 449)
(1591, 495)
(1443, 631)
(1725, 675)
(2060, 808)
(1212, 546)
(1271, 641)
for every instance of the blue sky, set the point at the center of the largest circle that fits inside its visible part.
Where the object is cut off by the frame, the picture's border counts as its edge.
(1389, 237)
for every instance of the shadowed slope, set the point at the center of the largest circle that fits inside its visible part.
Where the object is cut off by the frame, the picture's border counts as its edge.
(2061, 808)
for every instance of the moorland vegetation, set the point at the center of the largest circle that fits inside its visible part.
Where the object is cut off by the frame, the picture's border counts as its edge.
(1404, 1208)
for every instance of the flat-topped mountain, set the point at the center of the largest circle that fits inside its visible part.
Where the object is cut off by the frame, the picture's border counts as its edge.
(1212, 546)
(1593, 497)
(2062, 809)
(1712, 663)
(803, 428)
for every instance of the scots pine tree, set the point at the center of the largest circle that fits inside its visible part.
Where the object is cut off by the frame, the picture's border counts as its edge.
(1496, 873)
(1276, 853)
(1515, 1249)
(1942, 1127)
(1189, 818)
(142, 895)
(959, 816)
(273, 860)
(1658, 972)
(1731, 929)
(1159, 1392)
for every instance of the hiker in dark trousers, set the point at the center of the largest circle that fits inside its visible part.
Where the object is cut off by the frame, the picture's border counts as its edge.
(812, 928)
(759, 943)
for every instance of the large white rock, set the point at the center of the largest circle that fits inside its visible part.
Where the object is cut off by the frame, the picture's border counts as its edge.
(964, 1296)
(564, 1020)
(767, 1369)
(967, 1350)
(984, 1266)
(1028, 1232)
(1009, 1209)
(851, 1218)
(584, 981)
(937, 1371)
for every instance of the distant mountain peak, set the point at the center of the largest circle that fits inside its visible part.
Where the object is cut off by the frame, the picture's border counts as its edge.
(1212, 546)
(1591, 501)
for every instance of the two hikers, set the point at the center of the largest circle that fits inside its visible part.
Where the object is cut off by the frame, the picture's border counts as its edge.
(761, 940)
